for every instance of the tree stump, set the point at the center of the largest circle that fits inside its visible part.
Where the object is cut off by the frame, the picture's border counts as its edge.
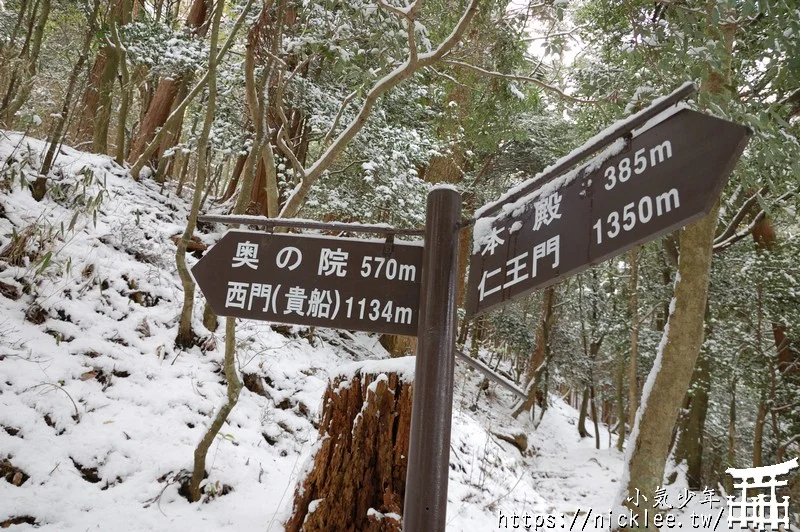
(358, 474)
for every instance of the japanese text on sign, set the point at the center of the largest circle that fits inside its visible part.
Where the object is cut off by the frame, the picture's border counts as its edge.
(346, 283)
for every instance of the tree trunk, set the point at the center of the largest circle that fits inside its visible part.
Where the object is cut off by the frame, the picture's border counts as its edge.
(633, 376)
(11, 106)
(234, 181)
(157, 113)
(359, 469)
(185, 337)
(9, 48)
(102, 117)
(583, 413)
(758, 435)
(56, 134)
(12, 74)
(594, 417)
(619, 385)
(95, 108)
(398, 345)
(540, 353)
(234, 388)
(673, 369)
(185, 327)
(672, 372)
(690, 439)
(731, 454)
(125, 89)
(168, 88)
(91, 95)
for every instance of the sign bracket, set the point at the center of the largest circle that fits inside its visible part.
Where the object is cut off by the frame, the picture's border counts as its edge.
(388, 246)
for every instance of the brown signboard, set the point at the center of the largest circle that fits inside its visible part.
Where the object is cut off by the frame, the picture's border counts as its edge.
(365, 285)
(662, 179)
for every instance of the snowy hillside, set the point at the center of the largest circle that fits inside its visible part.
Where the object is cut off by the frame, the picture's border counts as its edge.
(99, 413)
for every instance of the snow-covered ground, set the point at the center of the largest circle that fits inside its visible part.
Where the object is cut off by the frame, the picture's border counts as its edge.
(100, 414)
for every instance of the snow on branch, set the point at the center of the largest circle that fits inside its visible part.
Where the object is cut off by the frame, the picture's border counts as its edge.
(400, 73)
(407, 12)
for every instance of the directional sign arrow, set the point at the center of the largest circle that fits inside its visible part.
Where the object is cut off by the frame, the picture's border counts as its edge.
(367, 285)
(662, 179)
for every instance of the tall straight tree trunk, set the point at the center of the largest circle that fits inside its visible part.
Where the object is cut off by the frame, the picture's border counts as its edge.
(633, 376)
(594, 417)
(102, 115)
(157, 112)
(23, 90)
(233, 184)
(185, 337)
(10, 48)
(125, 77)
(538, 358)
(731, 454)
(95, 108)
(672, 372)
(758, 434)
(56, 134)
(166, 92)
(619, 385)
(91, 95)
(584, 411)
(690, 438)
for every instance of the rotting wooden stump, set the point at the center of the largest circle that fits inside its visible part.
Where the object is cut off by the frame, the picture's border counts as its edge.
(357, 478)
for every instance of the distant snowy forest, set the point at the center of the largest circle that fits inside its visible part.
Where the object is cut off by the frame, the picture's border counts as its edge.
(124, 397)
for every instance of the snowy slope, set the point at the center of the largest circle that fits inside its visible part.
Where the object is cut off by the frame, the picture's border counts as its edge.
(99, 414)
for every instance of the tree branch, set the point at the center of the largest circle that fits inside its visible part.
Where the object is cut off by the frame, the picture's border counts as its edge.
(400, 73)
(567, 33)
(345, 102)
(527, 79)
(725, 244)
(737, 219)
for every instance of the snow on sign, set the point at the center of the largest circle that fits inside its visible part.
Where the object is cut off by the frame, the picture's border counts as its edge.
(364, 285)
(663, 178)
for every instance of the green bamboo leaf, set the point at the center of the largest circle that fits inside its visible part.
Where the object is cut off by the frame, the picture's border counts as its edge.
(45, 262)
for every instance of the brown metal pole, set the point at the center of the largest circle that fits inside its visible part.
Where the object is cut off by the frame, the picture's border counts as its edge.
(425, 505)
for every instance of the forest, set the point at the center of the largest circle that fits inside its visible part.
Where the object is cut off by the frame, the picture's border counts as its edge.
(128, 128)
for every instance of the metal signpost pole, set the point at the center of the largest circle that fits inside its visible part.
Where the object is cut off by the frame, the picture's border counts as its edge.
(425, 505)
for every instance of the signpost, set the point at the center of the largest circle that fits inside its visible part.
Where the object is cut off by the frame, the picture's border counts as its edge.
(314, 280)
(660, 180)
(654, 183)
